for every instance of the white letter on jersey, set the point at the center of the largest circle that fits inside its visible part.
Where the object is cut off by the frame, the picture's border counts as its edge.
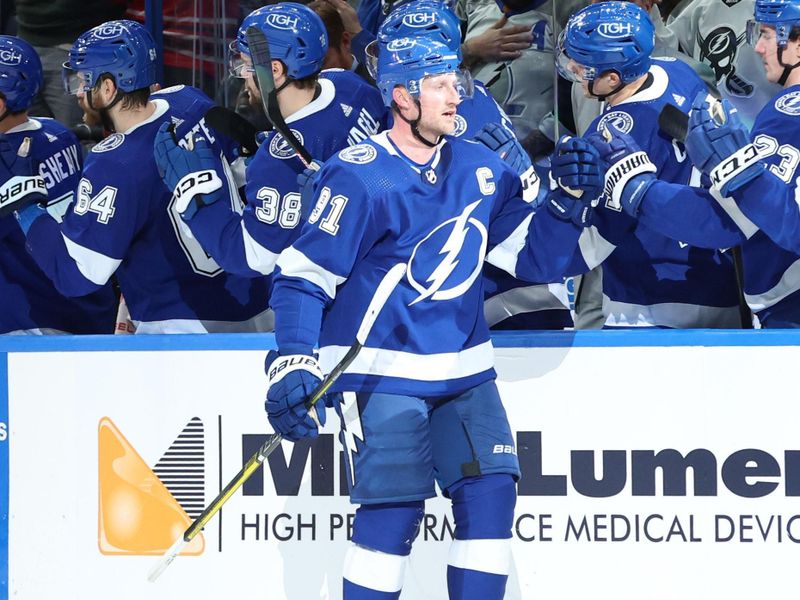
(485, 183)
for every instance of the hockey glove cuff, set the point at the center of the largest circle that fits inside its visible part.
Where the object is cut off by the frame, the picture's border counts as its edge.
(718, 144)
(292, 380)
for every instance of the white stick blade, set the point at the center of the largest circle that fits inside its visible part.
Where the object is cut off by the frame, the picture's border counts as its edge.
(166, 560)
(385, 289)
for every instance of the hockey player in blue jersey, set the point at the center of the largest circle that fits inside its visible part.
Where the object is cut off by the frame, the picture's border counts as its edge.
(124, 220)
(648, 279)
(760, 176)
(40, 161)
(327, 112)
(510, 303)
(419, 403)
(433, 17)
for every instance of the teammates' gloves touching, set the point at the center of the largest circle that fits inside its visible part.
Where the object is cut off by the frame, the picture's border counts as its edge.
(292, 380)
(500, 140)
(576, 181)
(629, 172)
(718, 144)
(191, 173)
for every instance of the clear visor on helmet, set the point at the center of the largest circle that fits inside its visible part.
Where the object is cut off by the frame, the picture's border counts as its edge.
(371, 52)
(757, 31)
(442, 83)
(239, 64)
(568, 68)
(74, 81)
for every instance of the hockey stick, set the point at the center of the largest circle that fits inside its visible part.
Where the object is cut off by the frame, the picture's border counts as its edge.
(675, 123)
(382, 293)
(262, 65)
(234, 126)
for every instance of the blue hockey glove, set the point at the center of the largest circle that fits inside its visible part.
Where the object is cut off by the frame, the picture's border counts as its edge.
(292, 380)
(628, 169)
(305, 183)
(576, 181)
(576, 165)
(22, 186)
(718, 144)
(499, 139)
(190, 173)
(569, 207)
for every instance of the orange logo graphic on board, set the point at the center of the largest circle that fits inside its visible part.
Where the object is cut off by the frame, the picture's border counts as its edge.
(143, 510)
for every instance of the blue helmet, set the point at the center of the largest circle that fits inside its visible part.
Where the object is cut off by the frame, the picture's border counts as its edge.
(407, 61)
(783, 15)
(609, 36)
(296, 34)
(429, 18)
(124, 49)
(20, 73)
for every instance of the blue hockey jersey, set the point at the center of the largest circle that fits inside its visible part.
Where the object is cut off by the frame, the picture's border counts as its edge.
(29, 302)
(771, 254)
(124, 220)
(648, 278)
(346, 111)
(376, 208)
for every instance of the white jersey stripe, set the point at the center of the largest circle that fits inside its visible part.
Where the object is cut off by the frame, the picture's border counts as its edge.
(97, 268)
(417, 367)
(294, 263)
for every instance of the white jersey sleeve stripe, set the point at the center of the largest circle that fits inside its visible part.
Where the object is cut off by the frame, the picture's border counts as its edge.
(594, 247)
(258, 258)
(737, 216)
(504, 255)
(406, 365)
(97, 268)
(294, 263)
(788, 285)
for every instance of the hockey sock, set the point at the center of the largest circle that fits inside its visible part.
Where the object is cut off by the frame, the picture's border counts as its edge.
(372, 575)
(382, 537)
(478, 569)
(480, 556)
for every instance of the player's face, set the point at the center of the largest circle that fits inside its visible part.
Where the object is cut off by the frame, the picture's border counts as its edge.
(767, 48)
(439, 97)
(247, 73)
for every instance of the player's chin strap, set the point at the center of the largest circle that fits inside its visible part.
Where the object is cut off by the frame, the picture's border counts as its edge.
(602, 97)
(413, 123)
(105, 117)
(787, 69)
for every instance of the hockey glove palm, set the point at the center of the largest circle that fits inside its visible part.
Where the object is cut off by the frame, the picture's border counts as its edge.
(292, 380)
(718, 144)
(500, 140)
(22, 186)
(191, 173)
(628, 170)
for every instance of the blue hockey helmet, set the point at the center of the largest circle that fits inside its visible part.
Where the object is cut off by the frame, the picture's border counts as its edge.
(783, 15)
(408, 61)
(124, 49)
(296, 34)
(431, 19)
(609, 36)
(20, 73)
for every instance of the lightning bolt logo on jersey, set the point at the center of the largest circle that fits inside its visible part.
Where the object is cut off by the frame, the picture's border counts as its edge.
(452, 275)
(431, 337)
